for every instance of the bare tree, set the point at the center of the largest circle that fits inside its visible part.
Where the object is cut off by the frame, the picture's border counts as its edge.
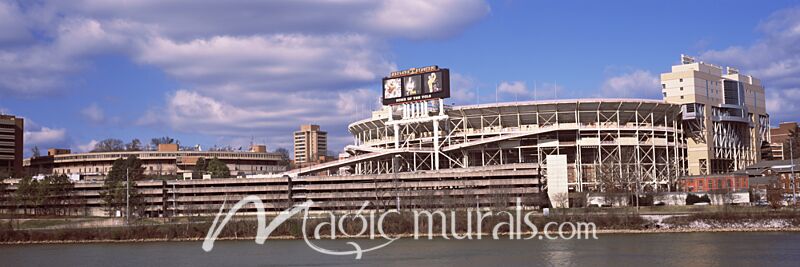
(775, 197)
(109, 145)
(561, 200)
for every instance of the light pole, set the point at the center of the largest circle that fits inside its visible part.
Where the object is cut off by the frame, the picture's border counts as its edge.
(127, 196)
(794, 184)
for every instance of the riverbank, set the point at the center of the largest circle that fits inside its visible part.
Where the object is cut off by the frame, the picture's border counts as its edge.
(403, 226)
(410, 236)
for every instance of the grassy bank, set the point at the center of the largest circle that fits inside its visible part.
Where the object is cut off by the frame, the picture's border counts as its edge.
(245, 227)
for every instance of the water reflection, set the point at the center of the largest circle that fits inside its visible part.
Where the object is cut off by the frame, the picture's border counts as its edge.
(696, 249)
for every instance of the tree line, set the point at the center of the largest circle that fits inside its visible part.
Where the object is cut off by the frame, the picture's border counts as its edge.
(53, 195)
(116, 145)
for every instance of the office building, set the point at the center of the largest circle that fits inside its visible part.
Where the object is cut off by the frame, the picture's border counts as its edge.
(11, 145)
(310, 145)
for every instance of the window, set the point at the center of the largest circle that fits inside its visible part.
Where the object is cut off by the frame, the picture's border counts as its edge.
(681, 88)
(681, 80)
(665, 94)
(681, 97)
(663, 86)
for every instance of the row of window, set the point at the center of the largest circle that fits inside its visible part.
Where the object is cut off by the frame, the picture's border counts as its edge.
(150, 168)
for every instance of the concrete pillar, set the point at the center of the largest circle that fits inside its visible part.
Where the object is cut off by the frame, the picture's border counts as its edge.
(396, 135)
(436, 144)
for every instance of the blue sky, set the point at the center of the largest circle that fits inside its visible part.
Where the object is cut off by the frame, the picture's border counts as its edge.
(225, 73)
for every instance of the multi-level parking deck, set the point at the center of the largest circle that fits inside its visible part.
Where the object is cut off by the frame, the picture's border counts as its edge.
(471, 187)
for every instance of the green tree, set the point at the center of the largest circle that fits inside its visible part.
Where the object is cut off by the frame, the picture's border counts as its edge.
(218, 169)
(35, 152)
(26, 194)
(55, 192)
(115, 189)
(200, 167)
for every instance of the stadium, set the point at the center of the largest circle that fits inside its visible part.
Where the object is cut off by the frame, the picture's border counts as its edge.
(617, 138)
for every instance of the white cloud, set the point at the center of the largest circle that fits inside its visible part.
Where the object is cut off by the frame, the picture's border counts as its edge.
(238, 42)
(514, 87)
(94, 113)
(44, 137)
(86, 147)
(41, 68)
(389, 18)
(463, 89)
(274, 119)
(247, 68)
(12, 25)
(637, 84)
(231, 66)
(424, 19)
(358, 104)
(774, 58)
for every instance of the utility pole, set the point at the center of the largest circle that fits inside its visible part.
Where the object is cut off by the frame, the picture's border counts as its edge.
(127, 196)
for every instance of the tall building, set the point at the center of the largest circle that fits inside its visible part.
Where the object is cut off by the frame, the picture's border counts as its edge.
(780, 137)
(11, 129)
(310, 144)
(724, 115)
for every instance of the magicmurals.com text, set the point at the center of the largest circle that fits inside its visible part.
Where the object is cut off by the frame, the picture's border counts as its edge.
(370, 225)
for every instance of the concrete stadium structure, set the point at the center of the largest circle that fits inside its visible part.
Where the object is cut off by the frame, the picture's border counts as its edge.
(621, 137)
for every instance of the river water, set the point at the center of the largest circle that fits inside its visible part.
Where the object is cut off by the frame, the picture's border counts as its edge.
(683, 249)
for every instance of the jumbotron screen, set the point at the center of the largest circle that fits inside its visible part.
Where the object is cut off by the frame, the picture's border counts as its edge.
(416, 84)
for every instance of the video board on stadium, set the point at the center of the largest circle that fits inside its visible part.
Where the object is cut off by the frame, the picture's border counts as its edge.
(416, 84)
